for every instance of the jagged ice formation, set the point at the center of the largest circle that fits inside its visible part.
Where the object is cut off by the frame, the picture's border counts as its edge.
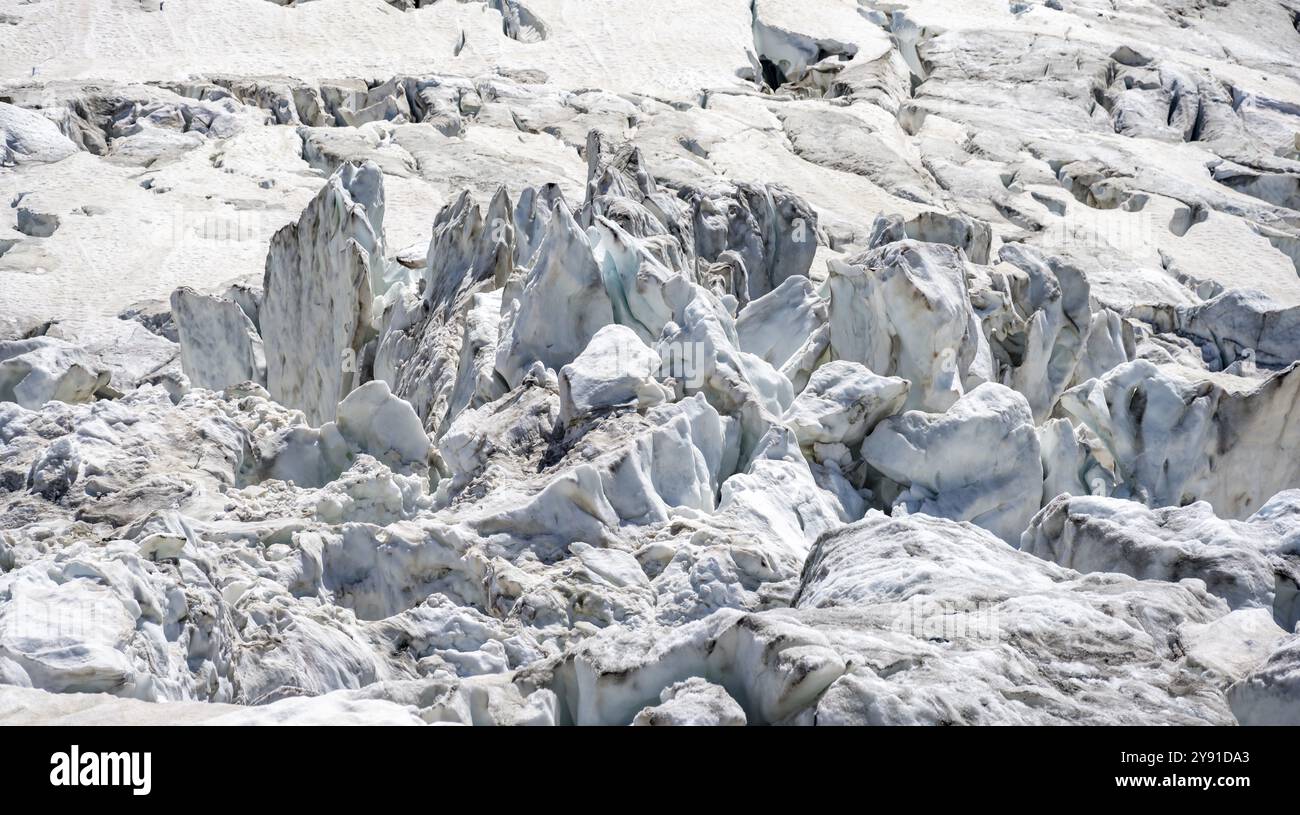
(752, 362)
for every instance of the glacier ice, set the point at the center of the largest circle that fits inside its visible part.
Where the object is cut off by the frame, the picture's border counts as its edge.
(737, 363)
(315, 315)
(220, 346)
(1244, 562)
(978, 461)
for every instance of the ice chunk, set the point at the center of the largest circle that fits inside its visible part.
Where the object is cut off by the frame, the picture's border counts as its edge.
(903, 310)
(616, 369)
(692, 702)
(977, 462)
(220, 346)
(842, 403)
(316, 315)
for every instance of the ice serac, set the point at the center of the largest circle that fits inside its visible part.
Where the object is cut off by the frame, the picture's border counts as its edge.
(316, 315)
(614, 378)
(978, 461)
(1178, 434)
(1053, 298)
(477, 380)
(774, 231)
(564, 279)
(646, 293)
(532, 217)
(1243, 562)
(778, 324)
(437, 347)
(370, 422)
(383, 426)
(973, 237)
(621, 189)
(1243, 325)
(471, 248)
(26, 137)
(1071, 461)
(220, 346)
(701, 355)
(904, 310)
(40, 369)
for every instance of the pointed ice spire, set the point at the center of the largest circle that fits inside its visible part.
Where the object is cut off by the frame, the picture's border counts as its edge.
(316, 316)
(563, 304)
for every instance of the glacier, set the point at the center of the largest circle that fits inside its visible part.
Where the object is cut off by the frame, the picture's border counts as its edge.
(540, 362)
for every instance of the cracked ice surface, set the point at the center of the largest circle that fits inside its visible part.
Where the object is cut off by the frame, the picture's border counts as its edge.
(549, 362)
